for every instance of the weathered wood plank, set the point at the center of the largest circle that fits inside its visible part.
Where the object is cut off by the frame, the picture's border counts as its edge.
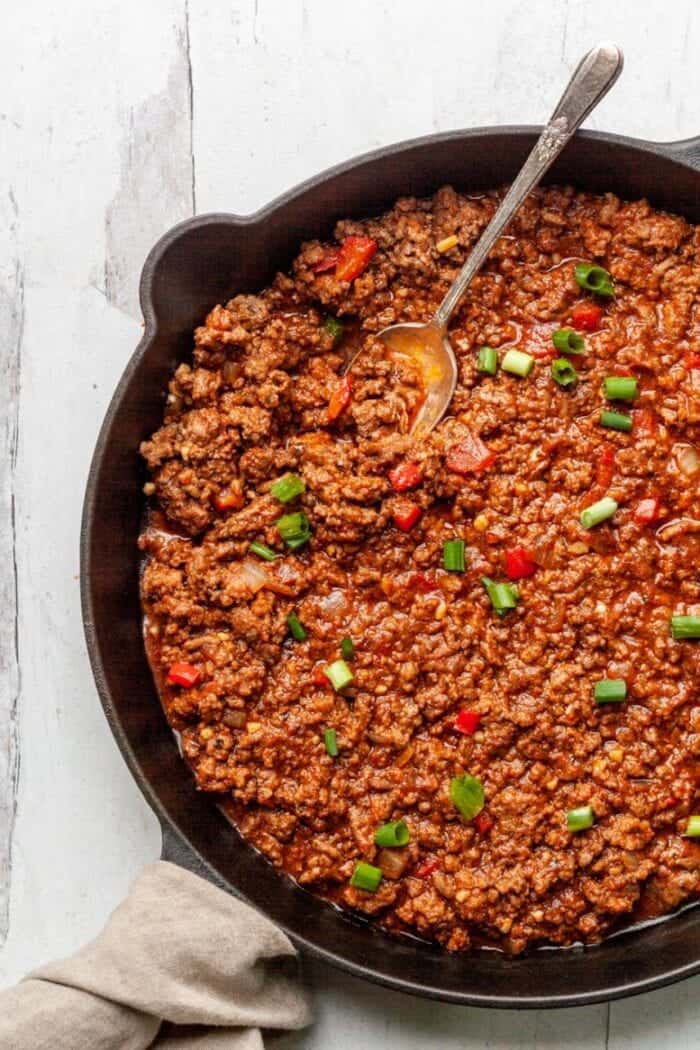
(669, 1017)
(95, 119)
(351, 1013)
(11, 326)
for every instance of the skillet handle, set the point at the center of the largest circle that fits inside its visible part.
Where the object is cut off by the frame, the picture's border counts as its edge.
(687, 151)
(177, 850)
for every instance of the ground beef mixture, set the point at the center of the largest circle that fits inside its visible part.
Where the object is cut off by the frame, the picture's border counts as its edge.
(442, 686)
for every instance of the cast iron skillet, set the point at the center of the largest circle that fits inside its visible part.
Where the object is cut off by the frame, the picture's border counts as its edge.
(204, 261)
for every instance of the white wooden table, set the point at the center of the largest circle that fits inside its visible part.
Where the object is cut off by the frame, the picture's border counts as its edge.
(117, 119)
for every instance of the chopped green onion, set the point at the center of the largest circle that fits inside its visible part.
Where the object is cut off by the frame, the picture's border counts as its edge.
(563, 372)
(692, 828)
(467, 794)
(579, 819)
(338, 674)
(616, 421)
(366, 877)
(610, 690)
(295, 529)
(518, 363)
(504, 596)
(296, 627)
(488, 360)
(329, 739)
(288, 488)
(620, 388)
(263, 551)
(567, 341)
(347, 648)
(394, 834)
(685, 626)
(453, 555)
(594, 279)
(334, 327)
(597, 512)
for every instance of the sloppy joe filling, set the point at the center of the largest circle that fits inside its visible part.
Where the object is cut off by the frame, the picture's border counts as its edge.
(452, 684)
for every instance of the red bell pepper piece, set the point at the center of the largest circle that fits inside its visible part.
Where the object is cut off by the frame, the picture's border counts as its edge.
(421, 582)
(406, 515)
(691, 360)
(647, 510)
(355, 254)
(586, 316)
(605, 467)
(482, 823)
(319, 676)
(328, 262)
(467, 722)
(405, 476)
(519, 564)
(184, 674)
(340, 399)
(469, 456)
(427, 868)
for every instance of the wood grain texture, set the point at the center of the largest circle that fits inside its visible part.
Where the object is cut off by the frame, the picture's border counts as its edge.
(11, 329)
(117, 120)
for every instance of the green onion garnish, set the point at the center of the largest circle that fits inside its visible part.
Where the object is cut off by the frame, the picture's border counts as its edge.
(692, 828)
(594, 279)
(295, 529)
(580, 819)
(334, 327)
(453, 555)
(567, 341)
(296, 627)
(563, 372)
(610, 690)
(504, 596)
(288, 488)
(620, 388)
(488, 360)
(394, 834)
(685, 626)
(329, 739)
(263, 551)
(615, 421)
(467, 794)
(338, 674)
(366, 877)
(597, 512)
(347, 648)
(517, 362)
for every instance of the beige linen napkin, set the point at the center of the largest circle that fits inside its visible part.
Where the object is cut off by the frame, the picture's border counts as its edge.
(180, 965)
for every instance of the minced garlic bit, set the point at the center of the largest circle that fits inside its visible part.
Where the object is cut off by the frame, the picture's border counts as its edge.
(149, 488)
(440, 611)
(253, 727)
(481, 523)
(616, 755)
(207, 733)
(446, 243)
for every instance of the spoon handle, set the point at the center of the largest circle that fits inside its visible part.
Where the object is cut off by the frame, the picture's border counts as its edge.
(594, 76)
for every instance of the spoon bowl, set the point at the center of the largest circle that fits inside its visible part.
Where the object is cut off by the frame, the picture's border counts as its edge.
(427, 346)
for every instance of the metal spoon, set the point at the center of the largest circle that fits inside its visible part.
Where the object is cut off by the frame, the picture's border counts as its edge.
(429, 343)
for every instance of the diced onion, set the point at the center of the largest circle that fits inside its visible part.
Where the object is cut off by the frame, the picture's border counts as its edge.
(252, 574)
(392, 862)
(688, 460)
(235, 719)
